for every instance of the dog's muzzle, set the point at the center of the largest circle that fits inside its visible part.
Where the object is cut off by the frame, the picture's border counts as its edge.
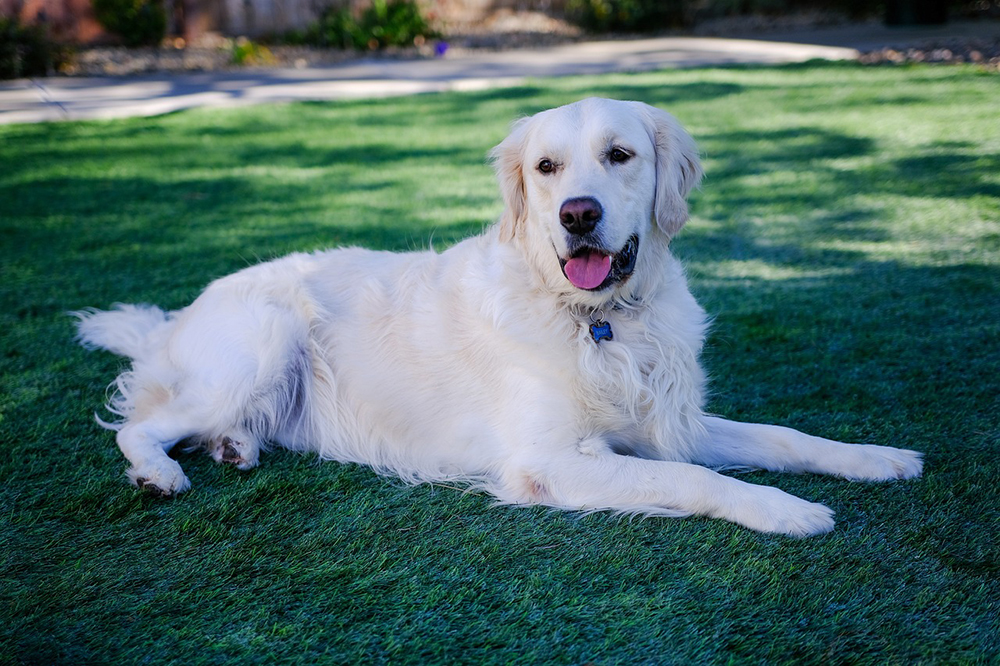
(593, 269)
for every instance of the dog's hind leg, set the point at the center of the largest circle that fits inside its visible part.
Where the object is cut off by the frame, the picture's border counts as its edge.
(145, 444)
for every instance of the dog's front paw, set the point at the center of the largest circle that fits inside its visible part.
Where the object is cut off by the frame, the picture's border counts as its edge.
(885, 463)
(775, 511)
(162, 477)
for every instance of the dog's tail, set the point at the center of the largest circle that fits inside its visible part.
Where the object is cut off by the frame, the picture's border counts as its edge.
(127, 330)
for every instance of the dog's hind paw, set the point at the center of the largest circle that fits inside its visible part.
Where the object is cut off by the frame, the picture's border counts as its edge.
(233, 452)
(162, 478)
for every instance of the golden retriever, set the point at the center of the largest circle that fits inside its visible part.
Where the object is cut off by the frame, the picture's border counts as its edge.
(551, 360)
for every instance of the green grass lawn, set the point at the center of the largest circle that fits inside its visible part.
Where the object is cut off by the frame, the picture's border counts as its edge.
(846, 239)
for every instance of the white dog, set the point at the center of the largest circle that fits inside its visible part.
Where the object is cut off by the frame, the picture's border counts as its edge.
(552, 360)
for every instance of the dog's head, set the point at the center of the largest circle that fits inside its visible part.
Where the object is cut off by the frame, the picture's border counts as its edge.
(587, 184)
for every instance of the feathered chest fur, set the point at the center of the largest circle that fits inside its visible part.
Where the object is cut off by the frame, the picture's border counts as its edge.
(646, 379)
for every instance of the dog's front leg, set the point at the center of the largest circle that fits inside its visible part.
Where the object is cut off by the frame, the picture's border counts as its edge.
(783, 449)
(592, 477)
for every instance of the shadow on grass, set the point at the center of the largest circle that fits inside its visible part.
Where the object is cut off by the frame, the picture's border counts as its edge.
(944, 174)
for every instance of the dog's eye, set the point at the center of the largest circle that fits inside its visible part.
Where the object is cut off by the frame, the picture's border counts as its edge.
(619, 155)
(546, 166)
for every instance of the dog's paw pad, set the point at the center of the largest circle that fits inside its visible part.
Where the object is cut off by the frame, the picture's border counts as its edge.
(233, 452)
(230, 454)
(152, 489)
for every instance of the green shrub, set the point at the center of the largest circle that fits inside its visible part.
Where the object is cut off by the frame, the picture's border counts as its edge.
(26, 50)
(628, 15)
(335, 27)
(137, 22)
(384, 23)
(249, 53)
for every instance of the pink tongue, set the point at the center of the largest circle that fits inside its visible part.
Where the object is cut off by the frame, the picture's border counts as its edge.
(589, 270)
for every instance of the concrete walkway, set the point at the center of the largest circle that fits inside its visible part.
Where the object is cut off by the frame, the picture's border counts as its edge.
(67, 98)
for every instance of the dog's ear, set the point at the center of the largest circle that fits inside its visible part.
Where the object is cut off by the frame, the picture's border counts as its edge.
(678, 169)
(508, 163)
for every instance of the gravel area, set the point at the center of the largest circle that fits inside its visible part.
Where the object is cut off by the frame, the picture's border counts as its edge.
(977, 51)
(121, 61)
(504, 30)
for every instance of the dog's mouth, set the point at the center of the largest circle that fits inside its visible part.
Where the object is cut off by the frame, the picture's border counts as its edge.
(592, 269)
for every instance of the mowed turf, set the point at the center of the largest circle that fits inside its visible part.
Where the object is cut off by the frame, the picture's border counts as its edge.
(846, 240)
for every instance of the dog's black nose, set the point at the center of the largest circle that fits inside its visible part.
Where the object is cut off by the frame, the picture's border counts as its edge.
(580, 215)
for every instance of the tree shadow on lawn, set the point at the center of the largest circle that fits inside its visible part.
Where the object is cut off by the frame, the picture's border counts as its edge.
(945, 174)
(737, 154)
(948, 171)
(186, 152)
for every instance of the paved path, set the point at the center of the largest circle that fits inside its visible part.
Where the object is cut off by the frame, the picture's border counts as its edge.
(67, 98)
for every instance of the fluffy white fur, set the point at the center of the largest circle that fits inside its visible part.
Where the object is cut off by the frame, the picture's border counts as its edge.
(477, 364)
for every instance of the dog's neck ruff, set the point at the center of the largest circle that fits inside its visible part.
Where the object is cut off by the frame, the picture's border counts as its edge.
(600, 327)
(594, 316)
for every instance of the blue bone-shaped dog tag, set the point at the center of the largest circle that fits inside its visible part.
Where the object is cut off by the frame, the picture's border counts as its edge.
(601, 330)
